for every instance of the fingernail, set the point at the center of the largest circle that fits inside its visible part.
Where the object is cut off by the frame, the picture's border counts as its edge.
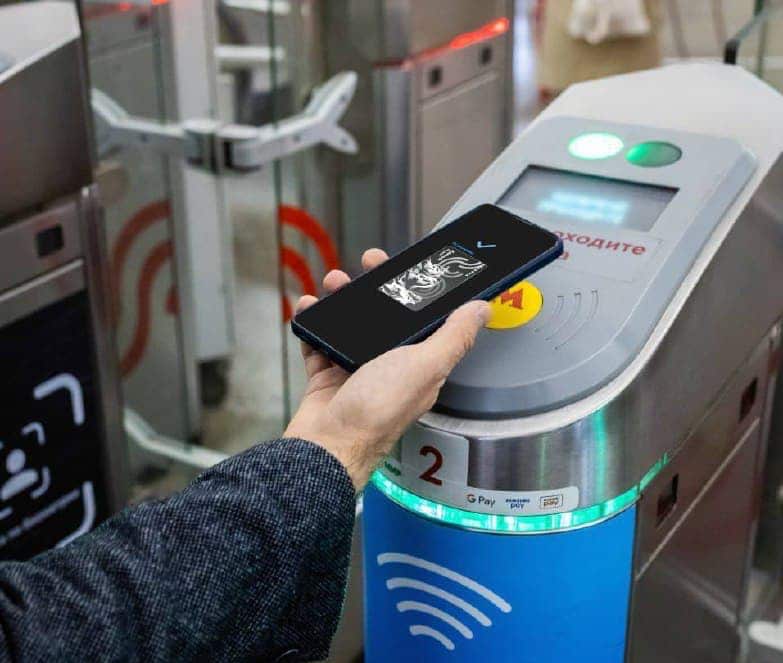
(483, 311)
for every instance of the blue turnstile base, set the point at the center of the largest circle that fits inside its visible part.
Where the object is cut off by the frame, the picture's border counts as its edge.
(430, 590)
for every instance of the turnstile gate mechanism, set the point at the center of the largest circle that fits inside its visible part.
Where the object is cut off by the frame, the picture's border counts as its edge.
(433, 109)
(60, 439)
(590, 484)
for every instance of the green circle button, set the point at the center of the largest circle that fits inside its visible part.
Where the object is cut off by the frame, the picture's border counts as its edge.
(653, 154)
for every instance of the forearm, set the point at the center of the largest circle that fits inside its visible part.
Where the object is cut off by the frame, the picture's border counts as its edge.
(247, 563)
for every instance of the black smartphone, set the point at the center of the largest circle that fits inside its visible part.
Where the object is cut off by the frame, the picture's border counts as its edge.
(404, 300)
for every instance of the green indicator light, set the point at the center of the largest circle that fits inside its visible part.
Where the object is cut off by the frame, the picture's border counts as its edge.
(595, 146)
(512, 524)
(653, 472)
(653, 154)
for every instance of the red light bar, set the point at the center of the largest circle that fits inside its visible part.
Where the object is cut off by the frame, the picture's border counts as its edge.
(493, 29)
(487, 31)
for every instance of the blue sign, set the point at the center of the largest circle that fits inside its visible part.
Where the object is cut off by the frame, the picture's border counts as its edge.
(438, 593)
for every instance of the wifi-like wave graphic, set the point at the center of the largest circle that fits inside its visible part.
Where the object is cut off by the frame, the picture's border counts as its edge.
(455, 623)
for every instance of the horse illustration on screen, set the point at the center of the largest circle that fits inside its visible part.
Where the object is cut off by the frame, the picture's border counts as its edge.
(431, 278)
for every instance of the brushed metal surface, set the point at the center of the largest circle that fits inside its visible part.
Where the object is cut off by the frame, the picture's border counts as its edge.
(436, 21)
(38, 293)
(589, 456)
(45, 150)
(605, 444)
(382, 188)
(396, 29)
(694, 576)
(686, 604)
(396, 140)
(456, 141)
(110, 27)
(458, 66)
(700, 458)
(764, 567)
(435, 138)
(21, 261)
(96, 270)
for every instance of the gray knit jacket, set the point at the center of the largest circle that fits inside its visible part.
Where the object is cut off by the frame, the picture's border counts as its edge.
(248, 563)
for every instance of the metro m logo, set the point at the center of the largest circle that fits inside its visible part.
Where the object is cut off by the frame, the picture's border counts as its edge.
(514, 298)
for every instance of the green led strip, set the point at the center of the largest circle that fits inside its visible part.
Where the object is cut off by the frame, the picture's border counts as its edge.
(513, 524)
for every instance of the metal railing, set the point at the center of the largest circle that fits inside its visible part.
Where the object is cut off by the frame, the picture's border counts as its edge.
(764, 11)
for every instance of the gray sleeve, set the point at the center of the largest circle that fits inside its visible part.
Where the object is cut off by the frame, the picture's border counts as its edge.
(248, 563)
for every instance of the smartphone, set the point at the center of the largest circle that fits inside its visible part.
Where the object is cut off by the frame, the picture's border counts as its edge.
(404, 300)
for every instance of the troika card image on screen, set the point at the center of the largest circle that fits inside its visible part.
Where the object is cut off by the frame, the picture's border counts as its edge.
(430, 279)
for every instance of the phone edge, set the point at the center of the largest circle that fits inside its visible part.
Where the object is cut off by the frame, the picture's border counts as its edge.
(322, 346)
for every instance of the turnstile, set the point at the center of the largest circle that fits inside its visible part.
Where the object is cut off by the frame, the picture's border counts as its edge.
(61, 446)
(433, 109)
(591, 481)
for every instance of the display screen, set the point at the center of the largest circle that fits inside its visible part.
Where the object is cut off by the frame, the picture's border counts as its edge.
(588, 199)
(406, 297)
(430, 279)
(52, 472)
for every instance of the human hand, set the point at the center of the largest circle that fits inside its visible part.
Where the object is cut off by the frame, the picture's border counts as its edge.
(358, 417)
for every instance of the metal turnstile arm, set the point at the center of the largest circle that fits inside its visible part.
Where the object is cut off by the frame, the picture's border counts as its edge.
(146, 438)
(217, 147)
(276, 7)
(115, 127)
(231, 57)
(317, 123)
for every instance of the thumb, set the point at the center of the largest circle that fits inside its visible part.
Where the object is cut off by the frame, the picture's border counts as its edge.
(442, 351)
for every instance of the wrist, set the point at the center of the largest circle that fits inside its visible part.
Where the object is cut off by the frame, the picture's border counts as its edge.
(349, 453)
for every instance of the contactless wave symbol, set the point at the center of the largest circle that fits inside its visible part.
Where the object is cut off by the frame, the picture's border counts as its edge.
(455, 623)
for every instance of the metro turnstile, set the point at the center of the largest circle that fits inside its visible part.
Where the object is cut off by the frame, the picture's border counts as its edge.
(590, 485)
(61, 445)
(433, 108)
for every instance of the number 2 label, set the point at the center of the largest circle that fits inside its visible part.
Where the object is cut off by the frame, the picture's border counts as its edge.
(429, 473)
(432, 461)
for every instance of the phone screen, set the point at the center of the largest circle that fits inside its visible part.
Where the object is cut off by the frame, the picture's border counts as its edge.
(429, 279)
(476, 256)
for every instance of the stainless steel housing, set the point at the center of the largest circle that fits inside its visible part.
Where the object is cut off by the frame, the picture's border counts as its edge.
(429, 115)
(701, 395)
(607, 450)
(52, 254)
(44, 143)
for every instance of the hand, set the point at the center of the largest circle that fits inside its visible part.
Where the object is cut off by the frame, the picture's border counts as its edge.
(358, 418)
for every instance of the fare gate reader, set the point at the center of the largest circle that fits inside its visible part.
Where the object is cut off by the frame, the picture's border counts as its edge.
(62, 448)
(594, 482)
